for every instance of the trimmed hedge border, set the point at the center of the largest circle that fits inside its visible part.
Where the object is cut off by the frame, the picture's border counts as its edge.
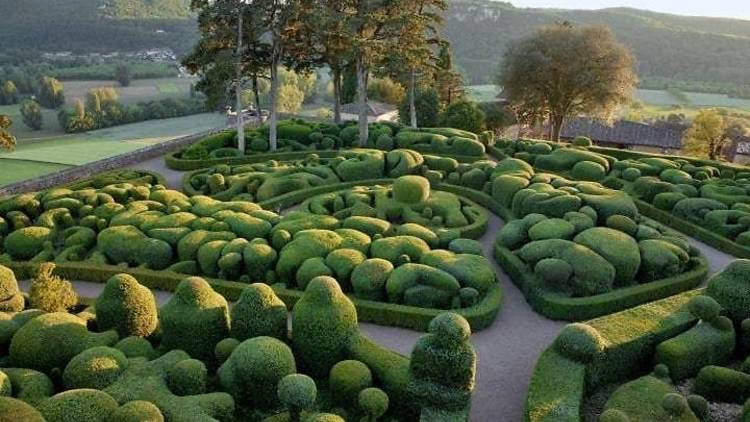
(176, 163)
(581, 308)
(630, 338)
(710, 238)
(479, 316)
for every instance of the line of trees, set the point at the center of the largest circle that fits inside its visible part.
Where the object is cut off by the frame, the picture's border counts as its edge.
(244, 42)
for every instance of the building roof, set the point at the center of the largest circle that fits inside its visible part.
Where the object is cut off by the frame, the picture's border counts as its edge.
(743, 145)
(374, 108)
(623, 132)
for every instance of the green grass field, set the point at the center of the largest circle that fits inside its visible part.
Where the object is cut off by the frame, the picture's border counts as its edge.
(36, 158)
(15, 170)
(649, 97)
(138, 90)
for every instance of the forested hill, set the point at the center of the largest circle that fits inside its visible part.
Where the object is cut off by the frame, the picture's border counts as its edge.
(95, 25)
(666, 46)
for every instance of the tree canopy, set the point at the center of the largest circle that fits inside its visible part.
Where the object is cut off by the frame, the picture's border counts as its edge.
(706, 136)
(565, 70)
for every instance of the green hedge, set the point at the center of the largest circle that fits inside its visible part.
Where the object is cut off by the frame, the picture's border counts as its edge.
(558, 385)
(705, 235)
(174, 162)
(560, 307)
(479, 316)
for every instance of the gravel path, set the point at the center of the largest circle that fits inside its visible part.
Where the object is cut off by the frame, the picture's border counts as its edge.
(507, 351)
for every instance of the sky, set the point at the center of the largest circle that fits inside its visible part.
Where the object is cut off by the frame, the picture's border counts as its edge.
(739, 9)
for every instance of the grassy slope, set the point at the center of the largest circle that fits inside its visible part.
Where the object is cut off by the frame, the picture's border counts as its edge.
(56, 153)
(665, 46)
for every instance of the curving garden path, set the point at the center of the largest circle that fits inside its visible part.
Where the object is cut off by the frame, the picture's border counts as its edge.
(507, 351)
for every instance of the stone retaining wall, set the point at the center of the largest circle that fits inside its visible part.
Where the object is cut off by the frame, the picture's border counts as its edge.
(79, 172)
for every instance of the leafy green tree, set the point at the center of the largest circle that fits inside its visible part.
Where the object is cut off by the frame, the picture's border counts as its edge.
(449, 82)
(329, 45)
(463, 115)
(706, 136)
(230, 50)
(386, 90)
(8, 93)
(290, 98)
(497, 116)
(123, 74)
(426, 105)
(565, 70)
(50, 93)
(31, 113)
(7, 140)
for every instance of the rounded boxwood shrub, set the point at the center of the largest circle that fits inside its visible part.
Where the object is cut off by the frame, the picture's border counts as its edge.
(581, 141)
(553, 272)
(14, 410)
(81, 405)
(194, 319)
(6, 388)
(411, 189)
(588, 170)
(579, 342)
(254, 369)
(95, 368)
(225, 348)
(322, 322)
(297, 392)
(373, 402)
(50, 341)
(731, 288)
(618, 248)
(127, 307)
(259, 312)
(622, 223)
(553, 228)
(705, 308)
(674, 404)
(698, 405)
(11, 299)
(23, 244)
(369, 278)
(187, 377)
(135, 346)
(325, 417)
(631, 174)
(346, 379)
(614, 415)
(443, 364)
(138, 411)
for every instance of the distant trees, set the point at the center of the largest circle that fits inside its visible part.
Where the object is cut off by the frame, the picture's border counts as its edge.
(50, 93)
(123, 75)
(31, 113)
(7, 140)
(706, 136)
(8, 93)
(463, 115)
(564, 70)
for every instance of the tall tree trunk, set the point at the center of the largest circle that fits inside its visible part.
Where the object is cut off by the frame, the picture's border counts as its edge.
(336, 74)
(412, 107)
(256, 95)
(362, 92)
(557, 124)
(238, 87)
(272, 118)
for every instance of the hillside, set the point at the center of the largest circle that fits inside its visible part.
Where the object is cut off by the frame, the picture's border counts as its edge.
(666, 46)
(95, 25)
(710, 54)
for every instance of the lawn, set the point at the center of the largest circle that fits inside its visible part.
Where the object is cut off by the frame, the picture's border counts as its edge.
(138, 90)
(52, 154)
(15, 170)
(649, 97)
(50, 126)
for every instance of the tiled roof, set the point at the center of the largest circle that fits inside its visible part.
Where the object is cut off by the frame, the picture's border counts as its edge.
(623, 132)
(374, 108)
